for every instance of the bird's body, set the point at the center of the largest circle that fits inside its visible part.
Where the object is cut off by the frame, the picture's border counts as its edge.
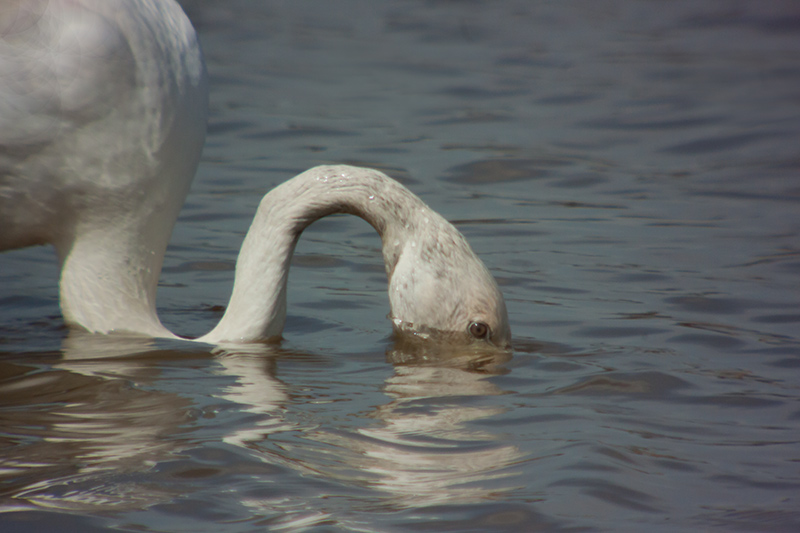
(102, 120)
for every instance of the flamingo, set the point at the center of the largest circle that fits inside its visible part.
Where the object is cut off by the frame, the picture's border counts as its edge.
(103, 106)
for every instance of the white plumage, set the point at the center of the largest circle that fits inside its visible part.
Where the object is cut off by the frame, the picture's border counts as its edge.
(102, 121)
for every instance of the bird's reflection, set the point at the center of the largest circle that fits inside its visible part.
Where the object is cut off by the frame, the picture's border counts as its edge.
(423, 450)
(420, 448)
(70, 438)
(87, 429)
(256, 390)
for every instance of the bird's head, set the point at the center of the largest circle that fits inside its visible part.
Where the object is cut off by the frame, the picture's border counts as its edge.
(440, 289)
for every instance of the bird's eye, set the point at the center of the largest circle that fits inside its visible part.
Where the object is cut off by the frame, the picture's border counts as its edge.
(479, 330)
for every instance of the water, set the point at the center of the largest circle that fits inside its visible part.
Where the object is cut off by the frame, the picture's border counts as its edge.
(629, 172)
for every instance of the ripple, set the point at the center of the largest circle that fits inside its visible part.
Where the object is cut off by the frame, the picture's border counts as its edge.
(656, 384)
(504, 170)
(618, 332)
(720, 143)
(634, 124)
(612, 493)
(710, 305)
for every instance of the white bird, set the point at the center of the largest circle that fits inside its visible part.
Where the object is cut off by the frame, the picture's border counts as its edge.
(103, 112)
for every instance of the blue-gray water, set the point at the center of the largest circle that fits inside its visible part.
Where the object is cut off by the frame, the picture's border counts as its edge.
(628, 170)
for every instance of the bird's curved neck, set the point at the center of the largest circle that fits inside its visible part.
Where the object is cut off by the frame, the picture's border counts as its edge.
(257, 308)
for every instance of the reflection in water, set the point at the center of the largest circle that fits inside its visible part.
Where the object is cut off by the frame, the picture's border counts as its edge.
(426, 454)
(419, 447)
(72, 439)
(96, 427)
(257, 390)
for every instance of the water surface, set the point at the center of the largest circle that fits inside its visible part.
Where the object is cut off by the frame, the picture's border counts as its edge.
(629, 171)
